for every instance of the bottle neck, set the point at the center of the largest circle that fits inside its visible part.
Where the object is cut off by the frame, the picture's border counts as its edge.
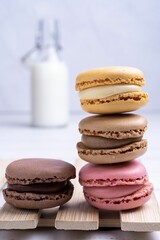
(45, 40)
(47, 44)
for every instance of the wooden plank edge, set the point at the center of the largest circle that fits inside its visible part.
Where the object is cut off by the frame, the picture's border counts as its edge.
(73, 225)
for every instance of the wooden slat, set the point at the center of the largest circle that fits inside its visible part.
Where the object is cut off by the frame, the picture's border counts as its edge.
(143, 219)
(77, 214)
(13, 218)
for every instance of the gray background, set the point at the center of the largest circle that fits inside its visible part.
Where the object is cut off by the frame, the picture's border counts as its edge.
(94, 33)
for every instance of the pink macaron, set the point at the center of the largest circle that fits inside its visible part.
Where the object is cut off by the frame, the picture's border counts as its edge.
(119, 186)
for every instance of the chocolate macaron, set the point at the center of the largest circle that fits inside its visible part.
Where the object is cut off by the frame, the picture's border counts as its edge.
(111, 90)
(110, 139)
(38, 183)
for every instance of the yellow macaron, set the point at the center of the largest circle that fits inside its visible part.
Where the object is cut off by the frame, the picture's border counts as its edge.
(110, 90)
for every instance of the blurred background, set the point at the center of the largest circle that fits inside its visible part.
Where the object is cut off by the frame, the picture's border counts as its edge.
(93, 34)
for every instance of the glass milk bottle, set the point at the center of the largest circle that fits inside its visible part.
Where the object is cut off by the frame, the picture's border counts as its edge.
(49, 79)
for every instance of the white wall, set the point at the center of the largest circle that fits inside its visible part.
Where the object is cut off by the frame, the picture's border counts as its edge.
(94, 33)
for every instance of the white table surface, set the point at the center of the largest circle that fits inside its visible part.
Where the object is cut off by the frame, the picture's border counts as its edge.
(19, 140)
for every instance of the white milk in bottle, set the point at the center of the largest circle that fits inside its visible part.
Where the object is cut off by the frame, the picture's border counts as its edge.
(49, 80)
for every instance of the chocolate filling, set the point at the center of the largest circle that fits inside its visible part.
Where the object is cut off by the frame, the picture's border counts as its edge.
(97, 142)
(39, 187)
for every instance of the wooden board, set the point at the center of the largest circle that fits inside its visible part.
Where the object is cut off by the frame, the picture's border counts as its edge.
(78, 215)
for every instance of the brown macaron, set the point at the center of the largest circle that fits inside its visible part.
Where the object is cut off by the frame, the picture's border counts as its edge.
(37, 183)
(110, 139)
(109, 90)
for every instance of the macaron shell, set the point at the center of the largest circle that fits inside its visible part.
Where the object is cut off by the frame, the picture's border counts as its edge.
(109, 76)
(38, 201)
(116, 126)
(129, 202)
(125, 102)
(109, 156)
(127, 173)
(39, 170)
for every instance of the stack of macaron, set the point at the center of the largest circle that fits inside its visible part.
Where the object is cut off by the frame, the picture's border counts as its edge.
(112, 140)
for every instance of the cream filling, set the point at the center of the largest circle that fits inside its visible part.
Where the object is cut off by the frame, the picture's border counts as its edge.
(107, 91)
